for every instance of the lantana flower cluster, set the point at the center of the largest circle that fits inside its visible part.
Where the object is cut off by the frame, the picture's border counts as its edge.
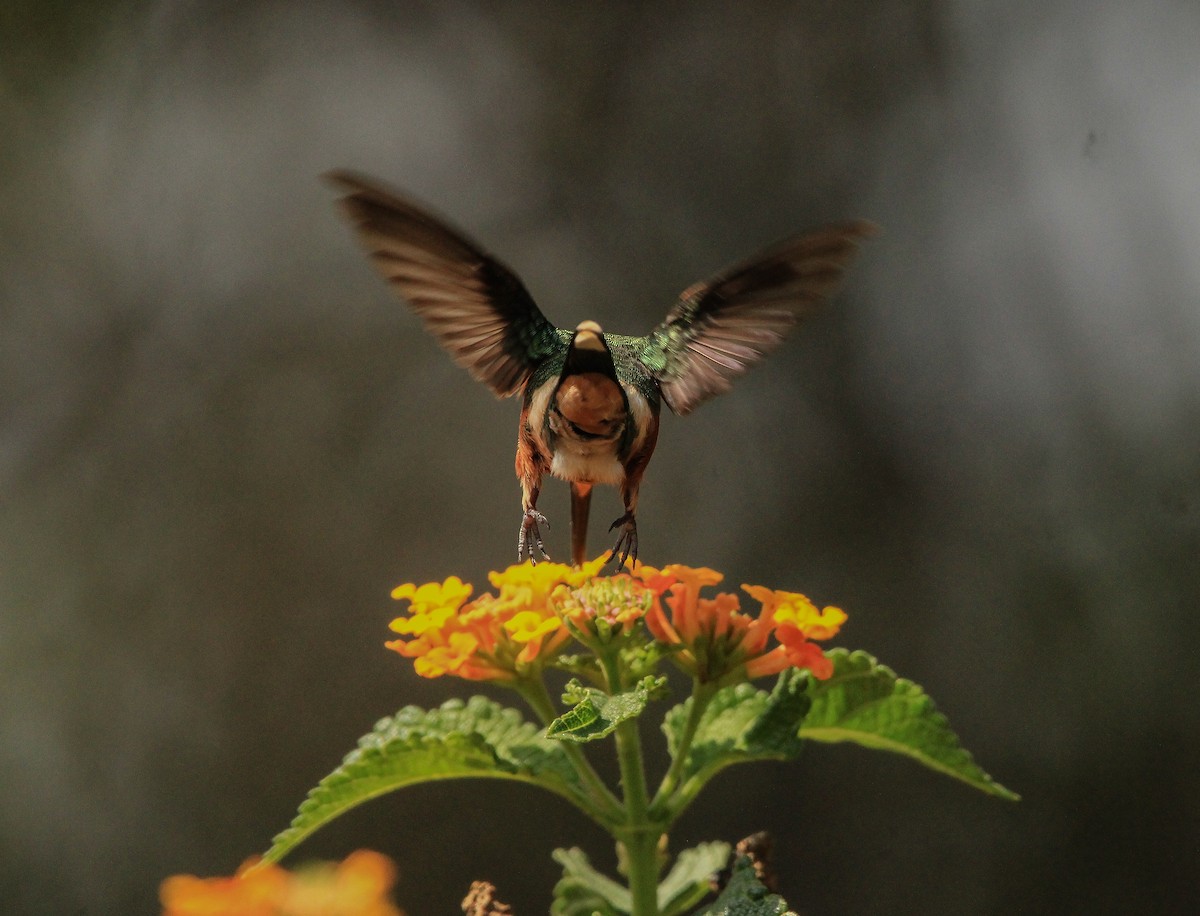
(496, 637)
(537, 610)
(358, 886)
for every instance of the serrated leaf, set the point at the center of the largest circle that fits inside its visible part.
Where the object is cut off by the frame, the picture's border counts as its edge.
(583, 891)
(774, 732)
(745, 895)
(478, 738)
(866, 703)
(688, 881)
(739, 725)
(578, 719)
(596, 715)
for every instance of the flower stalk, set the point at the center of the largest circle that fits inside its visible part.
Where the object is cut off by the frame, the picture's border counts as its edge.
(638, 836)
(620, 630)
(606, 810)
(663, 805)
(626, 626)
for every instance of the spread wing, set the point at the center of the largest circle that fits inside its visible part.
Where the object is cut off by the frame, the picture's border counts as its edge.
(477, 308)
(719, 328)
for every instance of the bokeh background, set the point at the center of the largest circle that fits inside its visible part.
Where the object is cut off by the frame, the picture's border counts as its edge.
(222, 442)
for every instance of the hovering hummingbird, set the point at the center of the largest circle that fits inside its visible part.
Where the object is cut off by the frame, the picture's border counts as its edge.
(591, 400)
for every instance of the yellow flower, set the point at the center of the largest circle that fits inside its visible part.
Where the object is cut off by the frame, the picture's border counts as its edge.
(495, 637)
(535, 583)
(794, 609)
(526, 626)
(453, 591)
(431, 605)
(358, 886)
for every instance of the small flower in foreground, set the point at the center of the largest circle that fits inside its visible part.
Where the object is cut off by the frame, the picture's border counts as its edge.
(357, 886)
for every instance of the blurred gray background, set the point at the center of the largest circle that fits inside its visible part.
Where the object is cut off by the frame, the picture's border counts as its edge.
(222, 442)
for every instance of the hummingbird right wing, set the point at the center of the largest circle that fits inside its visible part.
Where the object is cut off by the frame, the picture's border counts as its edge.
(477, 308)
(721, 327)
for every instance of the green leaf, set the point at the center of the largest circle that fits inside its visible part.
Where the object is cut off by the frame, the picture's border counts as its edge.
(745, 895)
(478, 738)
(774, 731)
(863, 702)
(739, 725)
(583, 891)
(596, 714)
(688, 881)
(866, 703)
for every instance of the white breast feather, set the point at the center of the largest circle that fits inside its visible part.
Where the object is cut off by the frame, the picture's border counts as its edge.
(538, 405)
(640, 410)
(595, 462)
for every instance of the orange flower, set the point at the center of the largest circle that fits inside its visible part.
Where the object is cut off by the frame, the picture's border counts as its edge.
(720, 643)
(794, 609)
(796, 621)
(686, 593)
(444, 640)
(358, 886)
(794, 651)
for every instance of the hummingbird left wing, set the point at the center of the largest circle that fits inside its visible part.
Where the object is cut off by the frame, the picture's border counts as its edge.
(477, 308)
(721, 327)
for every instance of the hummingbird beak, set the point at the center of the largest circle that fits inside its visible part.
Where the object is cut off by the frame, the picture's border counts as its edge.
(588, 337)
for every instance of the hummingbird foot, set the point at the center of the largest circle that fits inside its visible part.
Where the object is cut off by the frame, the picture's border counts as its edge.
(626, 547)
(530, 536)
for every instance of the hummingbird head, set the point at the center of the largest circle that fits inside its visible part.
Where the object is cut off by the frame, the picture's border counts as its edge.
(589, 336)
(589, 352)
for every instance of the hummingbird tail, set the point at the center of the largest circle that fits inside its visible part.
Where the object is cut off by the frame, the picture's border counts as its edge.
(581, 501)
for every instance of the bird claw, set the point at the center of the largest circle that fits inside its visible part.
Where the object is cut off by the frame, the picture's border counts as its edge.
(626, 547)
(530, 536)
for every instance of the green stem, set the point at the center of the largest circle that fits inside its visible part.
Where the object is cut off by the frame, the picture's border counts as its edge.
(641, 857)
(607, 808)
(640, 835)
(702, 694)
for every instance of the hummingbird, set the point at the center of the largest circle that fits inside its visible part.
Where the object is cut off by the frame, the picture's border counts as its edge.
(590, 400)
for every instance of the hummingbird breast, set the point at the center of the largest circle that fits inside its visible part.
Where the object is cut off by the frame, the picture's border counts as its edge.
(592, 405)
(581, 424)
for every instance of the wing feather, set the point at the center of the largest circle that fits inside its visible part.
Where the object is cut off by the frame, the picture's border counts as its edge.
(719, 328)
(474, 305)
